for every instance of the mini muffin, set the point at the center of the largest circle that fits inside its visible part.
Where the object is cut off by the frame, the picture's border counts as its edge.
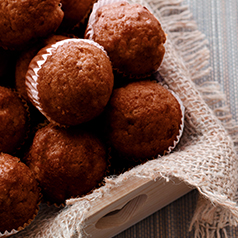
(131, 35)
(71, 81)
(143, 120)
(66, 162)
(24, 60)
(13, 121)
(19, 194)
(75, 12)
(22, 22)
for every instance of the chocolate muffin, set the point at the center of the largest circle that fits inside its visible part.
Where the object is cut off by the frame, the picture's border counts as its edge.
(131, 35)
(22, 22)
(24, 60)
(19, 194)
(66, 162)
(71, 81)
(143, 120)
(14, 121)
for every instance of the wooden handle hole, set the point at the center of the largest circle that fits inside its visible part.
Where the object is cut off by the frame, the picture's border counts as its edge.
(120, 216)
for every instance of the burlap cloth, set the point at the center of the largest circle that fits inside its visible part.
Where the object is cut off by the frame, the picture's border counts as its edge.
(206, 157)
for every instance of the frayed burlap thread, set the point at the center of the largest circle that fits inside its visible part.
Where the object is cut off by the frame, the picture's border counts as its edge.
(216, 208)
(206, 157)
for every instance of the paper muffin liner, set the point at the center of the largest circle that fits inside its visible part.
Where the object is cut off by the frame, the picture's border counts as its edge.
(182, 108)
(89, 33)
(20, 228)
(36, 64)
(158, 79)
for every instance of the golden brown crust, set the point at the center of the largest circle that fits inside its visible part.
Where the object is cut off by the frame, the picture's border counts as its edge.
(19, 193)
(132, 36)
(77, 85)
(13, 121)
(66, 162)
(24, 21)
(143, 119)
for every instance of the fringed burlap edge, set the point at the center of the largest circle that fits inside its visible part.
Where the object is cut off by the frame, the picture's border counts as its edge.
(209, 220)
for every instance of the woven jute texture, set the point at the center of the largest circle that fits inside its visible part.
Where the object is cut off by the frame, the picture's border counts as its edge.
(206, 157)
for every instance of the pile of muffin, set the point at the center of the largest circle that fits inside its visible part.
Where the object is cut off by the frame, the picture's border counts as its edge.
(77, 97)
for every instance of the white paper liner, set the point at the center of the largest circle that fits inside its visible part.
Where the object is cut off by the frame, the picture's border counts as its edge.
(27, 223)
(9, 233)
(182, 108)
(32, 73)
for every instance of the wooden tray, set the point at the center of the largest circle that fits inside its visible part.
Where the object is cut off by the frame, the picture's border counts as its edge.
(131, 202)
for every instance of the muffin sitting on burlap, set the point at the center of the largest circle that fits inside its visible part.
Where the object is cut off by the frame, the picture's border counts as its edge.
(131, 35)
(143, 120)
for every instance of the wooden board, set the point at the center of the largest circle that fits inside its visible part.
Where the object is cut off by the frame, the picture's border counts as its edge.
(130, 203)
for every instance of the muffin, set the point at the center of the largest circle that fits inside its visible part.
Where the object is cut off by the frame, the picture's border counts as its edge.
(75, 12)
(14, 121)
(143, 120)
(66, 162)
(71, 81)
(131, 35)
(24, 60)
(22, 22)
(19, 194)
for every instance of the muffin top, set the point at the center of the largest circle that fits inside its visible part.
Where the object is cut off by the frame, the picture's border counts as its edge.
(66, 162)
(143, 119)
(19, 193)
(131, 35)
(24, 21)
(73, 84)
(13, 121)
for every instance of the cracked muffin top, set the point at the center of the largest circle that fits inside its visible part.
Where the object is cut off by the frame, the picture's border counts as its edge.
(72, 83)
(131, 35)
(19, 193)
(22, 22)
